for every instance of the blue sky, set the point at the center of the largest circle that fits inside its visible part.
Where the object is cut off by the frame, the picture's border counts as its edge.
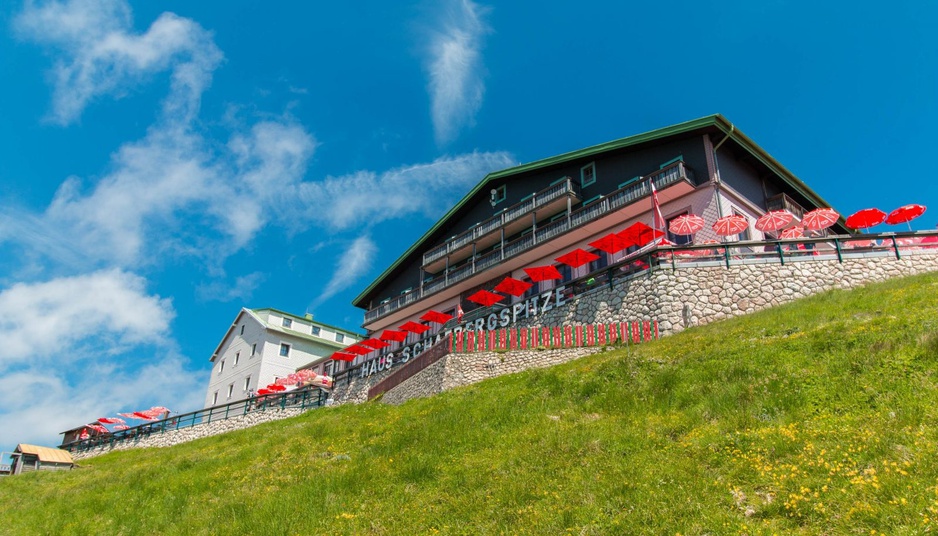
(165, 163)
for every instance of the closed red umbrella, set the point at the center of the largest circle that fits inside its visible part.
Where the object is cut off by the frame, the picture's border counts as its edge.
(486, 298)
(686, 224)
(774, 220)
(612, 243)
(513, 286)
(865, 218)
(436, 317)
(414, 327)
(578, 257)
(820, 218)
(905, 214)
(393, 335)
(730, 225)
(543, 273)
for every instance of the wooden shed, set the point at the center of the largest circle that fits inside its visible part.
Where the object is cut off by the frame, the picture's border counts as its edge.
(33, 458)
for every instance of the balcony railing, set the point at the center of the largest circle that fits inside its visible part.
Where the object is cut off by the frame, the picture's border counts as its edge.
(663, 178)
(512, 213)
(783, 202)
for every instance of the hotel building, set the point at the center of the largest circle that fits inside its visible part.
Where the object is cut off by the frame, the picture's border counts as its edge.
(533, 213)
(263, 345)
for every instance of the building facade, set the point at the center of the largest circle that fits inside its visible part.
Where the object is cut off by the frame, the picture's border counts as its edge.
(531, 214)
(263, 345)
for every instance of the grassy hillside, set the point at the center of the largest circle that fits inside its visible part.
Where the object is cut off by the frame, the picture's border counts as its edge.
(814, 418)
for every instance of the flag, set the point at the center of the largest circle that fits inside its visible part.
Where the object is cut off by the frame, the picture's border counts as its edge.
(459, 313)
(658, 218)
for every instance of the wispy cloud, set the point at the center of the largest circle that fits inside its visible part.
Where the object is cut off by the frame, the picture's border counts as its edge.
(355, 261)
(242, 289)
(456, 70)
(59, 364)
(103, 57)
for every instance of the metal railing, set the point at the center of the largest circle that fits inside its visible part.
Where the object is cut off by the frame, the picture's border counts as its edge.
(299, 399)
(496, 222)
(662, 178)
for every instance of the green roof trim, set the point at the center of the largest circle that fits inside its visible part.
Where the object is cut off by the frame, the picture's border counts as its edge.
(716, 120)
(311, 321)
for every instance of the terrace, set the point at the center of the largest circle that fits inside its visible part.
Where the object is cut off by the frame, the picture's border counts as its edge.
(492, 232)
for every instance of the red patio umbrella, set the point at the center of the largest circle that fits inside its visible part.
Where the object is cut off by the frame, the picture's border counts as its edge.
(342, 356)
(774, 220)
(263, 391)
(436, 317)
(578, 257)
(905, 214)
(276, 388)
(612, 243)
(730, 225)
(414, 327)
(121, 427)
(358, 350)
(543, 273)
(820, 218)
(111, 420)
(793, 232)
(144, 416)
(865, 218)
(640, 234)
(513, 286)
(393, 335)
(486, 298)
(686, 224)
(99, 428)
(374, 343)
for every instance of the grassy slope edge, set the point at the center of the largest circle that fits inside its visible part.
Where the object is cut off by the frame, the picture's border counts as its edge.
(818, 417)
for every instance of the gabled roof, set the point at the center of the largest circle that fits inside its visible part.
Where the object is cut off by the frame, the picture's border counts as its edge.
(46, 454)
(713, 123)
(253, 313)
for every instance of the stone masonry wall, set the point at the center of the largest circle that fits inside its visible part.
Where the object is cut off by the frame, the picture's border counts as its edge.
(174, 437)
(686, 297)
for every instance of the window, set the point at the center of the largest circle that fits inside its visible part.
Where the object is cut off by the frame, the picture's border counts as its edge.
(215, 398)
(677, 238)
(601, 262)
(221, 366)
(566, 273)
(532, 290)
(253, 349)
(743, 236)
(287, 323)
(237, 358)
(339, 337)
(247, 383)
(230, 389)
(316, 330)
(284, 349)
(588, 174)
(242, 329)
(499, 194)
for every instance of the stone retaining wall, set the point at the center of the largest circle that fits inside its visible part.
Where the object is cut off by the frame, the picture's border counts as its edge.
(174, 437)
(686, 297)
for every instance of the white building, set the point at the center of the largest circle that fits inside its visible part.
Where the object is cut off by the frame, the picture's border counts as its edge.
(265, 344)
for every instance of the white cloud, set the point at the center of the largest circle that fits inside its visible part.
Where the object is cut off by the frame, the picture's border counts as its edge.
(76, 348)
(103, 57)
(368, 198)
(52, 319)
(456, 71)
(241, 290)
(350, 265)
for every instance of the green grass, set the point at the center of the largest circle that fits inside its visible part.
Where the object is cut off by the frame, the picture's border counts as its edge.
(814, 418)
